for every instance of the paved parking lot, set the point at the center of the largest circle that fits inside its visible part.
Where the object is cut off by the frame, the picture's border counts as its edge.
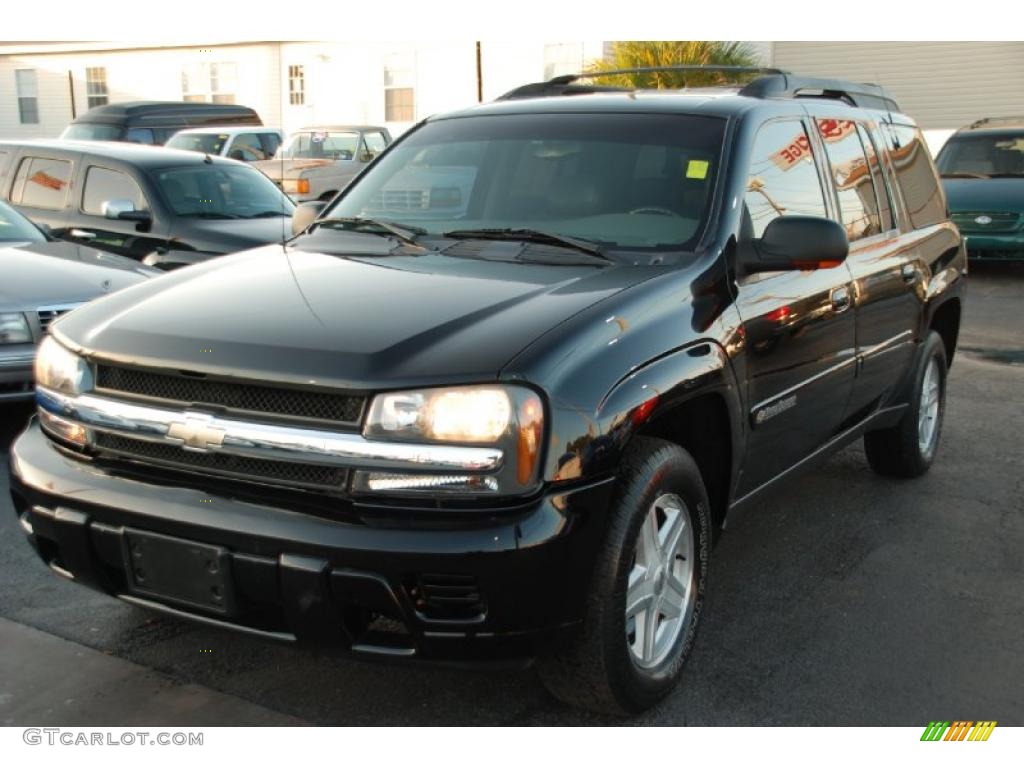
(846, 599)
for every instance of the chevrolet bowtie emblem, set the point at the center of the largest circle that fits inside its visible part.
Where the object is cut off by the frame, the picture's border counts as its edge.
(195, 433)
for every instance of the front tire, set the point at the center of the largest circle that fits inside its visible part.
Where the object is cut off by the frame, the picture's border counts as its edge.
(647, 591)
(908, 449)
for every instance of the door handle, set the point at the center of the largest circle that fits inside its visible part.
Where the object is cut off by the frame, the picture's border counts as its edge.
(909, 272)
(82, 234)
(840, 298)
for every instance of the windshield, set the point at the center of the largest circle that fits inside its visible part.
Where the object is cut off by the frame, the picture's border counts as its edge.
(15, 228)
(207, 143)
(92, 132)
(221, 192)
(633, 181)
(328, 145)
(984, 155)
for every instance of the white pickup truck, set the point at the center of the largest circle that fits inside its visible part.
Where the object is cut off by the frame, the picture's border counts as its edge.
(318, 162)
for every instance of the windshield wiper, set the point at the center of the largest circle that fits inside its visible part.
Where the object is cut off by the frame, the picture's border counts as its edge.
(403, 233)
(267, 214)
(530, 236)
(965, 175)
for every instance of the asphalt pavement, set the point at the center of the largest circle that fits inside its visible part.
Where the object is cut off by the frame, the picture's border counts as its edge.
(844, 599)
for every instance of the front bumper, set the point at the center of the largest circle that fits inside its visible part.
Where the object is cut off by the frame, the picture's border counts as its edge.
(995, 247)
(476, 585)
(16, 372)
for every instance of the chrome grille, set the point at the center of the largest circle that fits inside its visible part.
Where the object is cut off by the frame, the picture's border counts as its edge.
(292, 474)
(254, 398)
(1000, 222)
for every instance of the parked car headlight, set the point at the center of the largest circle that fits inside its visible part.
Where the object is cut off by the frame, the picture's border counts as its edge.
(60, 369)
(510, 418)
(14, 329)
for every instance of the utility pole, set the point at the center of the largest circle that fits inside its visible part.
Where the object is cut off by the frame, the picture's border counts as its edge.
(71, 89)
(479, 75)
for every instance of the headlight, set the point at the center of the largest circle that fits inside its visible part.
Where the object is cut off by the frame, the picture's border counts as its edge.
(59, 369)
(510, 418)
(14, 329)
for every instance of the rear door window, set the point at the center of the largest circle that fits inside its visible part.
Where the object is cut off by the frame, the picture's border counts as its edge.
(42, 182)
(103, 184)
(271, 141)
(247, 147)
(140, 135)
(783, 178)
(851, 175)
(915, 175)
(885, 208)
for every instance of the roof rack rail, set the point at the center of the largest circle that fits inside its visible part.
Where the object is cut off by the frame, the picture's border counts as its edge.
(787, 85)
(989, 120)
(773, 83)
(564, 85)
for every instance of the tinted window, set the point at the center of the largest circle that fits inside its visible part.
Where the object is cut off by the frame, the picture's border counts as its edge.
(783, 179)
(986, 154)
(885, 214)
(208, 143)
(915, 175)
(42, 183)
(221, 192)
(92, 132)
(140, 135)
(247, 147)
(16, 228)
(858, 206)
(102, 184)
(632, 181)
(271, 141)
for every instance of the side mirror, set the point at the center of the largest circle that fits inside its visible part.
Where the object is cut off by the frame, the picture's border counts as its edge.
(123, 210)
(305, 214)
(798, 242)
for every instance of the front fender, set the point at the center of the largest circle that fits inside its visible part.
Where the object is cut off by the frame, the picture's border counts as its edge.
(647, 393)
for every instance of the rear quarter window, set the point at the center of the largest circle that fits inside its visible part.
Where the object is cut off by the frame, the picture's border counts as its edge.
(915, 175)
(42, 182)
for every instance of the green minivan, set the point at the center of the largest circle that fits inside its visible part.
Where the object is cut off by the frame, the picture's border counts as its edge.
(982, 168)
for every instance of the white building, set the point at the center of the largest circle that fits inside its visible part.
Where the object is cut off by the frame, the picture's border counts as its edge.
(290, 84)
(44, 85)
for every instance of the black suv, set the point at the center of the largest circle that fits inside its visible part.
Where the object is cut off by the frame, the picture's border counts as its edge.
(165, 207)
(499, 398)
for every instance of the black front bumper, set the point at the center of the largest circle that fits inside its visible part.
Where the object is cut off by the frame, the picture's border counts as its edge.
(481, 585)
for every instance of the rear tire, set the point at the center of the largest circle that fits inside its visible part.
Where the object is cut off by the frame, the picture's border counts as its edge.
(629, 655)
(908, 449)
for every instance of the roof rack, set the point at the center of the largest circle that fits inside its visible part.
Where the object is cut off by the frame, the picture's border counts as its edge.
(991, 120)
(773, 83)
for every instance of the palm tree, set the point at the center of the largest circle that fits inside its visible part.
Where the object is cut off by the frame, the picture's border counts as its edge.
(631, 54)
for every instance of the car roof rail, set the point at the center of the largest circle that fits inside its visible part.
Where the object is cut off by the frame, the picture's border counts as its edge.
(996, 120)
(563, 85)
(787, 85)
(772, 83)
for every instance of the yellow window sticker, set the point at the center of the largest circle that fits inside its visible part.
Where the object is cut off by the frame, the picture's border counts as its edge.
(697, 169)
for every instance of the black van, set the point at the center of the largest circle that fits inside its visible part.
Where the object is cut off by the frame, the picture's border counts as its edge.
(154, 122)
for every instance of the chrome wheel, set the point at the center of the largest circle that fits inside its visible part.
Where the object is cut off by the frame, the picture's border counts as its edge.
(661, 591)
(928, 414)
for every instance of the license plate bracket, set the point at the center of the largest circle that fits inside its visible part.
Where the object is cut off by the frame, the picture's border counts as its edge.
(179, 571)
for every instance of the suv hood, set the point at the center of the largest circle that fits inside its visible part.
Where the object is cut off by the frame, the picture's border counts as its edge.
(231, 235)
(348, 321)
(53, 274)
(985, 195)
